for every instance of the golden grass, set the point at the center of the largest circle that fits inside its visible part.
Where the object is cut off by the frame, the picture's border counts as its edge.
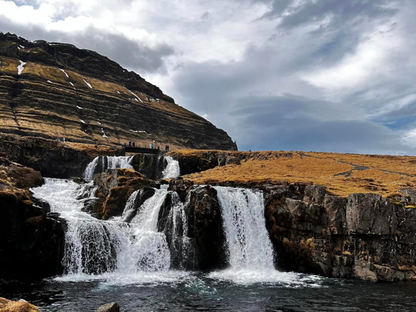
(338, 172)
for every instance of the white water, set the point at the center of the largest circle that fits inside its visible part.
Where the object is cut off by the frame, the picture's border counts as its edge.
(107, 162)
(172, 169)
(250, 251)
(114, 251)
(120, 253)
(181, 243)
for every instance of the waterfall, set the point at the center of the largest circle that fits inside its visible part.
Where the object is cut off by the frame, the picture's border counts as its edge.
(181, 244)
(147, 249)
(97, 247)
(102, 163)
(172, 169)
(248, 242)
(250, 251)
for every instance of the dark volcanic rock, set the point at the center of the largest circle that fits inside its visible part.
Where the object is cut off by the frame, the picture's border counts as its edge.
(31, 239)
(196, 241)
(114, 189)
(365, 236)
(53, 159)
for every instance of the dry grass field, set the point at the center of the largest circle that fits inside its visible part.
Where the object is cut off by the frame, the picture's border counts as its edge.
(342, 174)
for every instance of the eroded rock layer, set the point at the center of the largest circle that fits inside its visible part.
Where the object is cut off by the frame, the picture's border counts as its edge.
(58, 91)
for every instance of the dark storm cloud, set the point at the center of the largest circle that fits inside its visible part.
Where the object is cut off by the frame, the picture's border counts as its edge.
(296, 123)
(129, 53)
(315, 11)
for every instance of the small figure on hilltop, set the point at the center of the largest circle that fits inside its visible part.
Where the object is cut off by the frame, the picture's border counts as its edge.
(129, 144)
(134, 144)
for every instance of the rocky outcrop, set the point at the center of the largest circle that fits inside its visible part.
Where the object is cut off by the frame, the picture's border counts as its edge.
(57, 91)
(114, 189)
(16, 306)
(198, 161)
(53, 159)
(31, 238)
(364, 236)
(191, 220)
(149, 164)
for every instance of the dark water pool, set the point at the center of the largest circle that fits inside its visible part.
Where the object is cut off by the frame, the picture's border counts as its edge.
(201, 292)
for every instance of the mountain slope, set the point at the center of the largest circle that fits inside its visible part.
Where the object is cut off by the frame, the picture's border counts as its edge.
(58, 91)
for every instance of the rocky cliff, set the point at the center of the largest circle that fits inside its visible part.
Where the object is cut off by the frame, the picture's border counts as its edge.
(58, 91)
(32, 239)
(363, 236)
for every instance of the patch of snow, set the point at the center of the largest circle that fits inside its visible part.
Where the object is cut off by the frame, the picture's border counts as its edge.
(104, 135)
(21, 67)
(138, 131)
(71, 83)
(118, 92)
(87, 83)
(50, 81)
(67, 76)
(99, 123)
(135, 95)
(79, 107)
(82, 121)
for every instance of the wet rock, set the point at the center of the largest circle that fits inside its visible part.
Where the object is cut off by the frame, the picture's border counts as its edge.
(150, 165)
(205, 226)
(31, 241)
(109, 307)
(115, 186)
(181, 186)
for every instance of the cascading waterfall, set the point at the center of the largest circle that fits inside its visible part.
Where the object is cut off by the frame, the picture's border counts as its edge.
(106, 162)
(250, 250)
(172, 169)
(248, 242)
(182, 245)
(116, 249)
(147, 249)
(123, 252)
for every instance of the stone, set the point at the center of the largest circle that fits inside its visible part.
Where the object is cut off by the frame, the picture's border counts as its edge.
(362, 271)
(315, 193)
(335, 209)
(109, 307)
(16, 306)
(370, 214)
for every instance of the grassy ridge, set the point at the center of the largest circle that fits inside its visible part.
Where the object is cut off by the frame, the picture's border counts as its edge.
(342, 174)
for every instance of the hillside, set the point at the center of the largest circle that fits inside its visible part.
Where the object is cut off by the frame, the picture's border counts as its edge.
(342, 174)
(57, 91)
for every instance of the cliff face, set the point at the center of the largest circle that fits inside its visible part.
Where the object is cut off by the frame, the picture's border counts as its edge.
(58, 91)
(32, 239)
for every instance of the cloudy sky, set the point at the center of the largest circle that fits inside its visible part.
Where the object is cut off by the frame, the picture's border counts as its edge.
(322, 75)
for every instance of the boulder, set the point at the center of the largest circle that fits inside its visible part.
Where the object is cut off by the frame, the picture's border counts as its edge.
(109, 307)
(16, 306)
